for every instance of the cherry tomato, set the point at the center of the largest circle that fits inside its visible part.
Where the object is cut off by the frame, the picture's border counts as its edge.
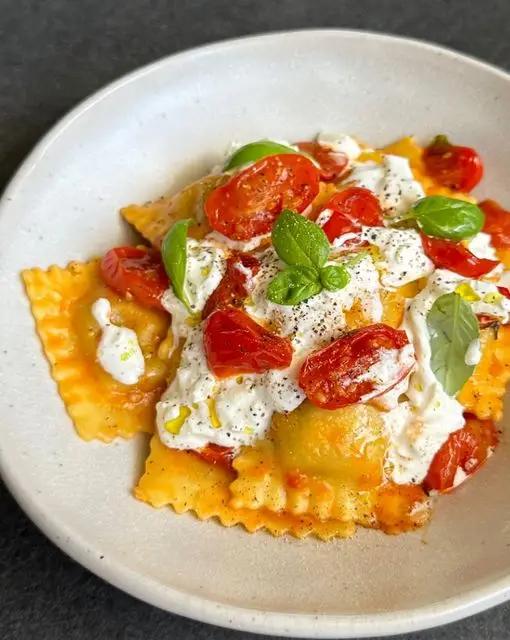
(446, 254)
(235, 344)
(232, 291)
(332, 163)
(215, 454)
(486, 321)
(467, 449)
(504, 291)
(459, 168)
(248, 204)
(352, 208)
(497, 223)
(136, 271)
(329, 377)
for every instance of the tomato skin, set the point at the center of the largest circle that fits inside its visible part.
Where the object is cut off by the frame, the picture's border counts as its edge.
(248, 204)
(328, 376)
(352, 207)
(486, 321)
(446, 254)
(332, 163)
(235, 344)
(136, 271)
(467, 448)
(217, 455)
(453, 166)
(232, 291)
(497, 223)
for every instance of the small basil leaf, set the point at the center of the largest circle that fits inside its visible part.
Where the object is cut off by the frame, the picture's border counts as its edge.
(256, 151)
(452, 327)
(334, 277)
(448, 218)
(299, 241)
(174, 254)
(294, 285)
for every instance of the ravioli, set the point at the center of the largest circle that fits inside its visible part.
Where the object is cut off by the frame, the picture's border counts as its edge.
(100, 407)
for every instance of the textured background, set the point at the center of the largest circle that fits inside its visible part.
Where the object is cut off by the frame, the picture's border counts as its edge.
(53, 54)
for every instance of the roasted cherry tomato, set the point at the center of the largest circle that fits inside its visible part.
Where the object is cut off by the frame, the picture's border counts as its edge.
(486, 321)
(446, 254)
(352, 207)
(136, 271)
(459, 168)
(235, 344)
(232, 291)
(214, 454)
(248, 204)
(497, 223)
(466, 449)
(332, 163)
(331, 376)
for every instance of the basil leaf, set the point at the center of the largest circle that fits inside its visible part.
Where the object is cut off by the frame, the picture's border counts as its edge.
(448, 218)
(256, 151)
(174, 254)
(334, 277)
(294, 285)
(452, 327)
(299, 241)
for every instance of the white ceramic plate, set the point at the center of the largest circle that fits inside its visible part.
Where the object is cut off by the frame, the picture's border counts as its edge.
(148, 133)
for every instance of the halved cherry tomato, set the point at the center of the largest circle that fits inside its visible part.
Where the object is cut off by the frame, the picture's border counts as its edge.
(214, 454)
(453, 166)
(248, 204)
(446, 254)
(136, 271)
(235, 344)
(352, 207)
(459, 168)
(330, 376)
(467, 449)
(332, 163)
(232, 291)
(497, 223)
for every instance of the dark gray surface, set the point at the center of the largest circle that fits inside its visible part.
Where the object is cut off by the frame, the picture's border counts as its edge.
(53, 53)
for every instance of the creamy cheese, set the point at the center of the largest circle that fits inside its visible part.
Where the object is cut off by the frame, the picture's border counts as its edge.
(215, 237)
(205, 267)
(473, 353)
(197, 408)
(392, 181)
(118, 351)
(460, 476)
(481, 246)
(389, 366)
(419, 426)
(403, 258)
(340, 143)
(319, 319)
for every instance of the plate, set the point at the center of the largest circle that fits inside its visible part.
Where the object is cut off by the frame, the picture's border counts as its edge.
(149, 133)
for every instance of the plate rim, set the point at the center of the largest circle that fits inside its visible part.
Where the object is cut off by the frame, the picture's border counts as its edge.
(181, 602)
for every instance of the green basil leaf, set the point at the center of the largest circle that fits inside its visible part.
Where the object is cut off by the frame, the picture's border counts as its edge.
(256, 151)
(448, 218)
(334, 277)
(452, 327)
(174, 254)
(299, 241)
(294, 285)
